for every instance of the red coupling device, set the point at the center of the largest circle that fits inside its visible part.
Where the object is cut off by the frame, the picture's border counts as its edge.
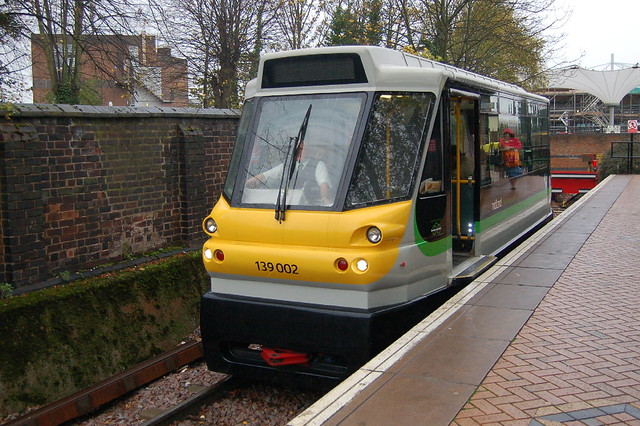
(277, 357)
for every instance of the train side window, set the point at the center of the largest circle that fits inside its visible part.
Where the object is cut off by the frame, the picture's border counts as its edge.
(432, 174)
(236, 157)
(387, 163)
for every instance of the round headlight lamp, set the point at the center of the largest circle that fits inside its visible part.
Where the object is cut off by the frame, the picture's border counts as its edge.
(374, 235)
(210, 226)
(208, 254)
(362, 265)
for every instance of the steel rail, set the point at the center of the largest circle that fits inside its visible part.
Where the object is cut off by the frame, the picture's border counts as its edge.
(89, 399)
(174, 413)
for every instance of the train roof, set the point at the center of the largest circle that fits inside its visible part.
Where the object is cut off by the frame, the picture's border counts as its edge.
(389, 69)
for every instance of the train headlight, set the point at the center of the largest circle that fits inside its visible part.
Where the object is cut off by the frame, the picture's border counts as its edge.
(210, 226)
(374, 235)
(362, 265)
(208, 254)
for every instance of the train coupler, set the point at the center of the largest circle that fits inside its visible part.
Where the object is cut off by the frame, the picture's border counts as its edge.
(278, 357)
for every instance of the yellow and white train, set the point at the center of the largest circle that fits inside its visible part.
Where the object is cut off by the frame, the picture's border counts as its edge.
(363, 180)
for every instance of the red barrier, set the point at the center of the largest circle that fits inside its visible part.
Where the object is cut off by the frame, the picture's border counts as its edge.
(573, 182)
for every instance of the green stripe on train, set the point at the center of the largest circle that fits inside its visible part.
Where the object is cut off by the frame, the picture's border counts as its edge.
(511, 211)
(437, 247)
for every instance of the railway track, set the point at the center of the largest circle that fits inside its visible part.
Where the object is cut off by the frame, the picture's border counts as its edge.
(227, 401)
(94, 397)
(191, 404)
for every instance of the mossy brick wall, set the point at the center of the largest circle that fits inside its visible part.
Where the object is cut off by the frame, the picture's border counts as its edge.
(567, 150)
(81, 185)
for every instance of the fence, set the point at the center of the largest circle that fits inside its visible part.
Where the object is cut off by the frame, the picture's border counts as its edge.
(82, 185)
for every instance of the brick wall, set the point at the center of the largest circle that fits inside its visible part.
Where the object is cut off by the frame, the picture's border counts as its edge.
(567, 150)
(81, 186)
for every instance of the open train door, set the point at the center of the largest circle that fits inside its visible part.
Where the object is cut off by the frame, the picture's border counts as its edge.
(464, 120)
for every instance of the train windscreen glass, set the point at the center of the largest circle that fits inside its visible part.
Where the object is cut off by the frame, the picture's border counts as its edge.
(313, 70)
(297, 150)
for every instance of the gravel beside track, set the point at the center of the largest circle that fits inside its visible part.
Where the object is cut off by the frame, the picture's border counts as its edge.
(163, 393)
(253, 404)
(256, 404)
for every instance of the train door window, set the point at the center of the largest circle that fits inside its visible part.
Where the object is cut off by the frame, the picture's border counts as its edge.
(464, 138)
(431, 204)
(387, 163)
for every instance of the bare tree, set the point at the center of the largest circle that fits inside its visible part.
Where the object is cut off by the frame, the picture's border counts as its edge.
(438, 20)
(14, 56)
(221, 38)
(298, 24)
(506, 39)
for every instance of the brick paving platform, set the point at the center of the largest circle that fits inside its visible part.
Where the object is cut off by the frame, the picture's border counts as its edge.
(580, 350)
(548, 336)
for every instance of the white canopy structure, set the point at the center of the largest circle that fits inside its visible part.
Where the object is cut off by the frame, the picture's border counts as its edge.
(608, 86)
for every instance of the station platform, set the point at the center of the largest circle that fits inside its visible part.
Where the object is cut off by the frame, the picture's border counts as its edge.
(548, 335)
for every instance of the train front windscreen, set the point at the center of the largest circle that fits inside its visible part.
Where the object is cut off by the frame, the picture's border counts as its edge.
(296, 150)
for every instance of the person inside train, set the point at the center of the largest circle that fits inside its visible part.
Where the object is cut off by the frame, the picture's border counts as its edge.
(510, 147)
(310, 174)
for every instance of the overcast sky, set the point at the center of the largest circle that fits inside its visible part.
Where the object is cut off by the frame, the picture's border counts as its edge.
(599, 28)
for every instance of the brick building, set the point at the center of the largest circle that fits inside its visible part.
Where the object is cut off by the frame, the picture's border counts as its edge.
(118, 70)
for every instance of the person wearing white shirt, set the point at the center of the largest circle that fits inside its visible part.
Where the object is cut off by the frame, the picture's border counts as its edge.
(310, 174)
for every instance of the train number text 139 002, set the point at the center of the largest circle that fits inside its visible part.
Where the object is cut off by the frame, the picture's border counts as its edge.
(283, 268)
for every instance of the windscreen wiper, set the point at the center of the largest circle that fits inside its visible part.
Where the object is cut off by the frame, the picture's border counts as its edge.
(289, 166)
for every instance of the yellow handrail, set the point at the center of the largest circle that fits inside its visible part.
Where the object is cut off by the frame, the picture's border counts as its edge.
(457, 115)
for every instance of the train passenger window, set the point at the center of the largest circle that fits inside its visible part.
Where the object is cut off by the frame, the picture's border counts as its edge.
(539, 140)
(432, 173)
(387, 163)
(490, 158)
